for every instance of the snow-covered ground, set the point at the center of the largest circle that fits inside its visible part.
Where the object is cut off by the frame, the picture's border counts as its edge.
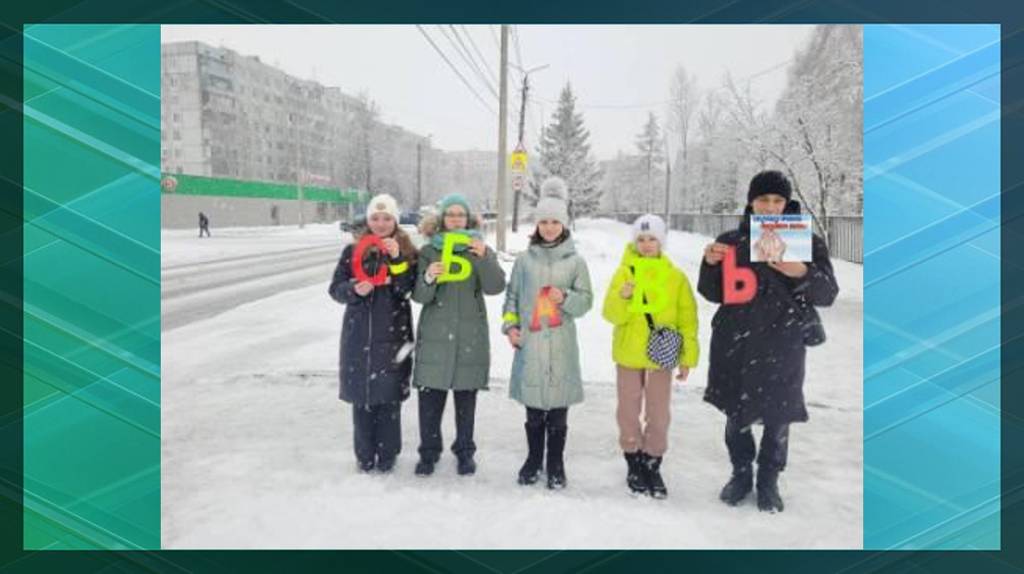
(257, 450)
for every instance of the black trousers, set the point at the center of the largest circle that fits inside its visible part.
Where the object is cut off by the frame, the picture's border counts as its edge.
(774, 445)
(554, 418)
(553, 424)
(431, 409)
(377, 430)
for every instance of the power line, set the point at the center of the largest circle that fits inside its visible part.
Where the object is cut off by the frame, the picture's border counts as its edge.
(494, 36)
(472, 66)
(650, 105)
(454, 69)
(469, 37)
(467, 56)
(610, 106)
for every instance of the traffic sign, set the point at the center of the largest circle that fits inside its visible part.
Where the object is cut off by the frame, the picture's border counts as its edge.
(518, 161)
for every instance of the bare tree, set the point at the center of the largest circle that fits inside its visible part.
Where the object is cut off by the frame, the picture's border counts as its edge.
(762, 136)
(683, 102)
(649, 143)
(819, 117)
(363, 128)
(709, 119)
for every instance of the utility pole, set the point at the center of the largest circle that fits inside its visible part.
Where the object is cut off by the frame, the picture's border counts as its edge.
(302, 203)
(502, 144)
(419, 174)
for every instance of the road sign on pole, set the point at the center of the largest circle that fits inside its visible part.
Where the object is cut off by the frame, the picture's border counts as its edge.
(517, 162)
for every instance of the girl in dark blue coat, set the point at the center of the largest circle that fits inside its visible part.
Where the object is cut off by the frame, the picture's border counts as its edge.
(375, 361)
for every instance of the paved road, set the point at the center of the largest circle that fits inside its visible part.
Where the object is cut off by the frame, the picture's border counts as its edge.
(194, 291)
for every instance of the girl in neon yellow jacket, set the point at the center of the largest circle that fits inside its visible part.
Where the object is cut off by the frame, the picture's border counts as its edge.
(647, 279)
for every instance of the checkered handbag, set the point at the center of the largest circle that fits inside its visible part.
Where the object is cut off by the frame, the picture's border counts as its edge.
(663, 345)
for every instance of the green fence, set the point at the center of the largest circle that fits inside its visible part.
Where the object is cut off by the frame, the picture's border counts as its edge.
(180, 184)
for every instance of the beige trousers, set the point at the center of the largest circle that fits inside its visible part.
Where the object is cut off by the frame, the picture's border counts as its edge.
(650, 392)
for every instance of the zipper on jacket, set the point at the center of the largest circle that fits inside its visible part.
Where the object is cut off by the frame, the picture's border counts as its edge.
(369, 341)
(551, 354)
(457, 296)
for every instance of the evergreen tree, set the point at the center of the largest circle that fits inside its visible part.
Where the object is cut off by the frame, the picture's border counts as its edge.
(564, 151)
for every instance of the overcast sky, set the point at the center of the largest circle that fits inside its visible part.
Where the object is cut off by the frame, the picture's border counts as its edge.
(619, 73)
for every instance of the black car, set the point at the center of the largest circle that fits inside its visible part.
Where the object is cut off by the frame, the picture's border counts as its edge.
(350, 226)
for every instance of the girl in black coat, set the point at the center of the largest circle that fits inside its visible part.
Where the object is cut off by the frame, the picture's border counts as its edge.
(376, 336)
(758, 348)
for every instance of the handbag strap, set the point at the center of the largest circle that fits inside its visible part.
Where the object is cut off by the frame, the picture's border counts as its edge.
(643, 296)
(807, 312)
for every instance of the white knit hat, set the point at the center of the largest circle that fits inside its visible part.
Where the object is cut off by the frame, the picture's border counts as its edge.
(552, 201)
(382, 203)
(650, 225)
(552, 208)
(554, 186)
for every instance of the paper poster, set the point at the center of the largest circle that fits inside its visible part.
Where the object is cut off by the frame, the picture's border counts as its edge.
(780, 238)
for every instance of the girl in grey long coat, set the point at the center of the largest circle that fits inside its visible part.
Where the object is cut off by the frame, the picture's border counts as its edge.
(548, 290)
(452, 348)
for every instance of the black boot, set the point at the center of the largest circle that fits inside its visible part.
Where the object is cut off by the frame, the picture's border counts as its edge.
(530, 471)
(635, 479)
(768, 497)
(425, 467)
(366, 465)
(655, 484)
(739, 486)
(385, 464)
(467, 465)
(556, 464)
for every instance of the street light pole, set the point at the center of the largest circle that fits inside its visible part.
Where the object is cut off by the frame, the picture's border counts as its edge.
(302, 202)
(522, 129)
(299, 170)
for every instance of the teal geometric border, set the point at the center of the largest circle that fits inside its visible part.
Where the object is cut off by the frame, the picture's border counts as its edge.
(92, 361)
(931, 287)
(91, 287)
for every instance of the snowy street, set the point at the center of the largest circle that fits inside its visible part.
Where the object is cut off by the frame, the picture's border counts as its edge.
(203, 277)
(257, 449)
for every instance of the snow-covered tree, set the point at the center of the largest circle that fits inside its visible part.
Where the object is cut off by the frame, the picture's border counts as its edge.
(360, 145)
(813, 133)
(649, 144)
(624, 183)
(684, 99)
(820, 115)
(564, 151)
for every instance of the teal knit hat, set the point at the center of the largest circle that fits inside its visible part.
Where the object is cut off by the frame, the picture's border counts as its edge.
(450, 200)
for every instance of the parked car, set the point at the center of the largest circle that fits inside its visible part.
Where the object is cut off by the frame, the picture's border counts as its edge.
(350, 226)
